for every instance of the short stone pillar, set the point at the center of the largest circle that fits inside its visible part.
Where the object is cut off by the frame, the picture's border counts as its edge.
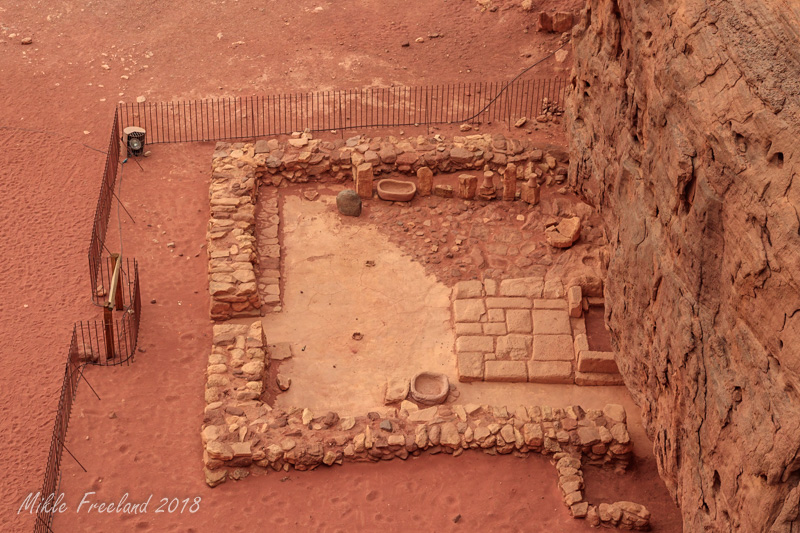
(425, 177)
(575, 301)
(487, 191)
(467, 186)
(510, 182)
(362, 176)
(530, 191)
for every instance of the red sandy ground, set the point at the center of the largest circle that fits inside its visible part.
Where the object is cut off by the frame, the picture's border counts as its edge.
(48, 189)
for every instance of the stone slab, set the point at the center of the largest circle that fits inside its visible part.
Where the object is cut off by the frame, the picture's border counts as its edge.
(550, 303)
(497, 315)
(280, 351)
(468, 289)
(592, 379)
(494, 328)
(527, 287)
(515, 346)
(551, 322)
(602, 362)
(575, 301)
(550, 372)
(509, 371)
(581, 342)
(472, 328)
(508, 303)
(470, 366)
(553, 348)
(468, 310)
(474, 344)
(518, 321)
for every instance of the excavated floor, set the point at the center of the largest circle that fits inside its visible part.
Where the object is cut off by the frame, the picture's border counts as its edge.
(401, 311)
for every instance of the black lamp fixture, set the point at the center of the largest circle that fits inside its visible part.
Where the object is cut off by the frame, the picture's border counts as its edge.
(134, 138)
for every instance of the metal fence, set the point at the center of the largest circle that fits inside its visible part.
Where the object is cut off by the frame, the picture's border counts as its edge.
(99, 279)
(114, 342)
(261, 116)
(88, 347)
(52, 474)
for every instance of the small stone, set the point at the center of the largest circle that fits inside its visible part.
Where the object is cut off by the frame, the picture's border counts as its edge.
(579, 510)
(521, 122)
(284, 382)
(386, 425)
(449, 435)
(419, 40)
(27, 40)
(215, 477)
(329, 458)
(615, 412)
(443, 191)
(465, 127)
(311, 195)
(347, 423)
(396, 390)
(280, 351)
(405, 44)
(140, 99)
(565, 233)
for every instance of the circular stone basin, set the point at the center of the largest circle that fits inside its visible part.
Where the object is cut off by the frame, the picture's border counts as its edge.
(396, 190)
(430, 388)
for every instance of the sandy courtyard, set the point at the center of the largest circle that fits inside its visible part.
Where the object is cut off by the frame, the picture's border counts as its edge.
(331, 293)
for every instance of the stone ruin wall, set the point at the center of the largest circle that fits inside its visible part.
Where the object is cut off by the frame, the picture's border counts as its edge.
(242, 434)
(245, 281)
(684, 121)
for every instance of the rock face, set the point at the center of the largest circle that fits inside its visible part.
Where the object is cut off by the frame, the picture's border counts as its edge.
(684, 122)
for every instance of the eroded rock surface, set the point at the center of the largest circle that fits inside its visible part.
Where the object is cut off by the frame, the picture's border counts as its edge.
(684, 120)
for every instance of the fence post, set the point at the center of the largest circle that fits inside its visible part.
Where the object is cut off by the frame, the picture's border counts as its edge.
(108, 333)
(118, 296)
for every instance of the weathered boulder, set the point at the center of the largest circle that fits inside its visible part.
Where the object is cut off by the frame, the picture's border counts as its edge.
(349, 203)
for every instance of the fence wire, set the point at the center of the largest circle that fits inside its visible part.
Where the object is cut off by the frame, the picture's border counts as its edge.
(262, 116)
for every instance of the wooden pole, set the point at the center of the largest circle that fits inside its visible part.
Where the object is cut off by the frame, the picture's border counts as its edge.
(116, 283)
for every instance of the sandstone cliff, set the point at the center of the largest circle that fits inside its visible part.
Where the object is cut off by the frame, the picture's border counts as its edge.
(685, 132)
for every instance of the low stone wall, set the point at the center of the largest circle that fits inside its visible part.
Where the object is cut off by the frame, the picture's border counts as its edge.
(231, 239)
(304, 158)
(623, 514)
(268, 220)
(240, 432)
(238, 168)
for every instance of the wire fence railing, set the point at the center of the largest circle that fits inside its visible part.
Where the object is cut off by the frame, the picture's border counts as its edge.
(108, 342)
(89, 346)
(52, 473)
(261, 116)
(99, 277)
(113, 342)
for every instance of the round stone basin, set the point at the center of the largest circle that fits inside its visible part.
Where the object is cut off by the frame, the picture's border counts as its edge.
(396, 190)
(430, 388)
